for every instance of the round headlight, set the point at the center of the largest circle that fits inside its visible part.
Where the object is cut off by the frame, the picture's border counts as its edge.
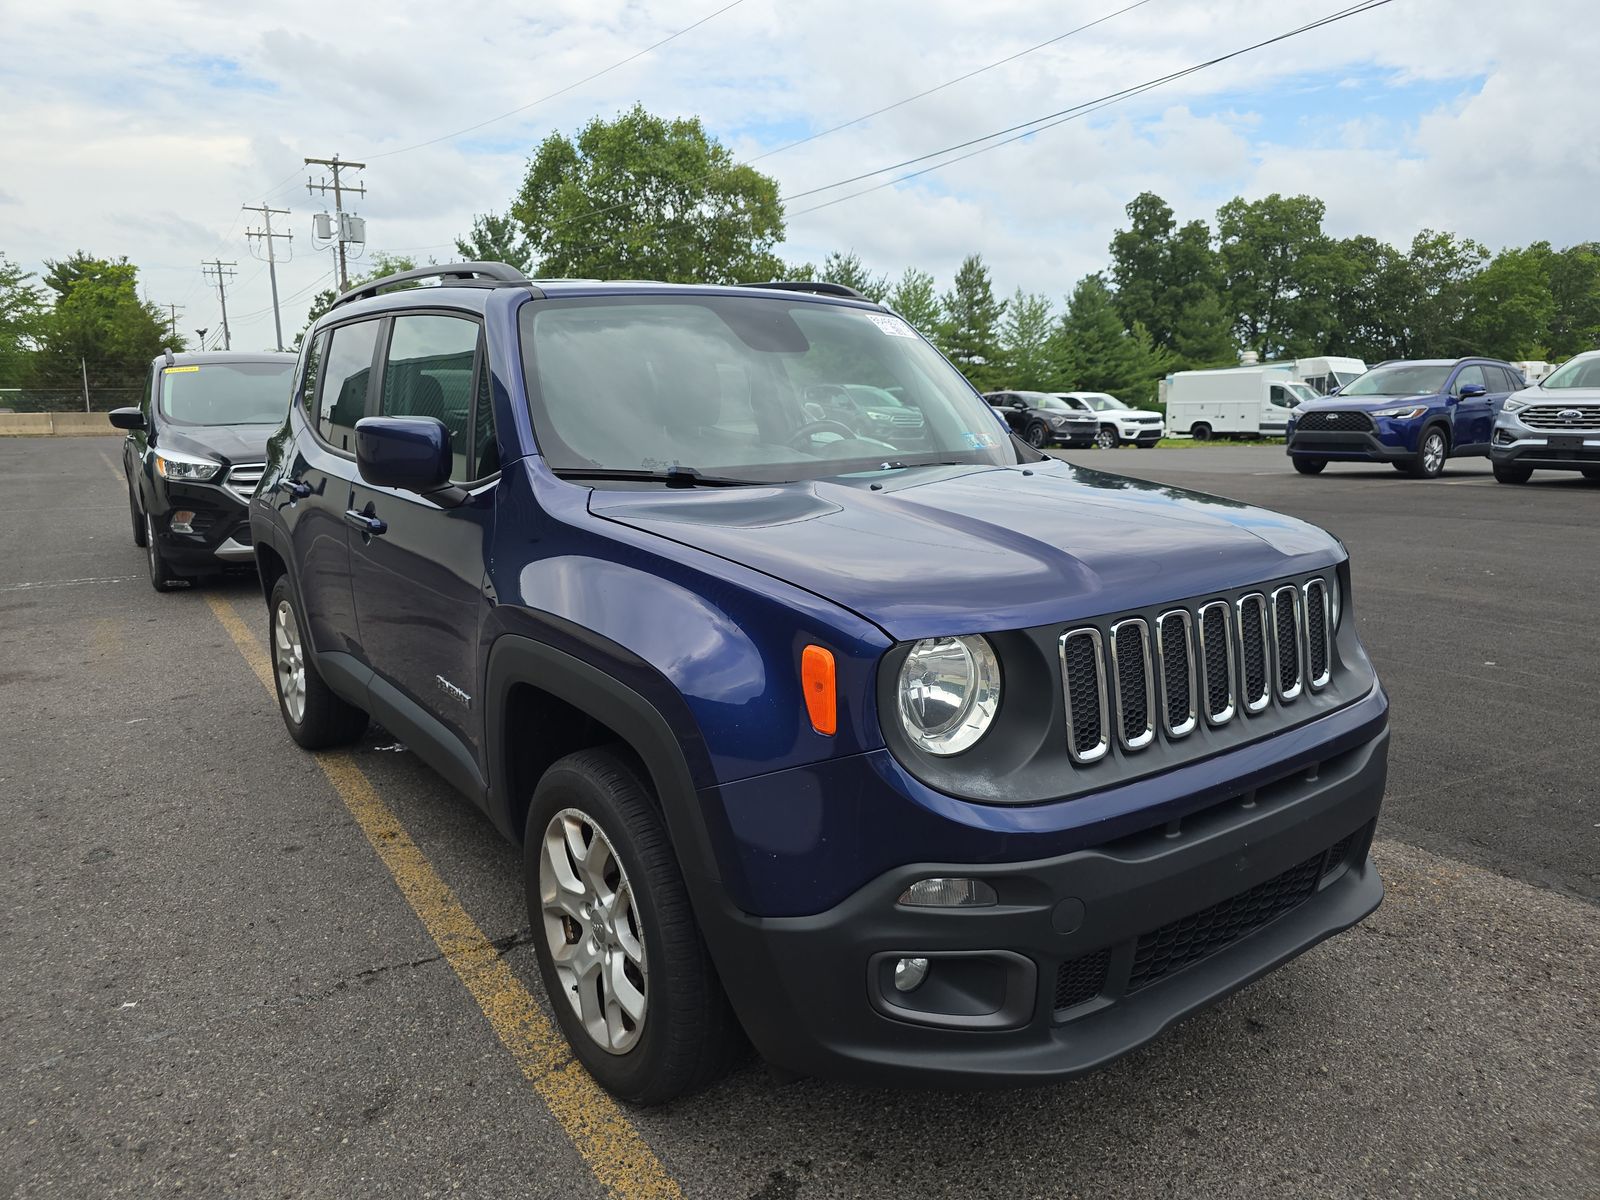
(949, 692)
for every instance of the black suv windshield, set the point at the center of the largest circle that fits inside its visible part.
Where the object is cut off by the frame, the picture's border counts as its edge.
(227, 393)
(1402, 379)
(745, 388)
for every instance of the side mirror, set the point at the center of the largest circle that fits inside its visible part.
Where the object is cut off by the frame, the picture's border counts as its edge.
(126, 418)
(1333, 391)
(409, 453)
(1472, 389)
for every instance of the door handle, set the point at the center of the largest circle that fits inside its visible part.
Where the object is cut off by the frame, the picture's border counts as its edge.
(369, 525)
(298, 489)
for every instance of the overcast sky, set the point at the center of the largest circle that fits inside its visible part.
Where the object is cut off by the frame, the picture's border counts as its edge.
(140, 128)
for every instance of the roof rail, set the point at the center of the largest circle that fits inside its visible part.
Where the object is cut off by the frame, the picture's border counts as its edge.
(815, 286)
(480, 274)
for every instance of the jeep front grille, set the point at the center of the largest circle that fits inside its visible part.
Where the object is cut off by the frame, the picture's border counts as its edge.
(242, 478)
(1550, 416)
(1219, 660)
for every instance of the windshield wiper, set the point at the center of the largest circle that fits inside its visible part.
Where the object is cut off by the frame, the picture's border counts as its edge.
(672, 476)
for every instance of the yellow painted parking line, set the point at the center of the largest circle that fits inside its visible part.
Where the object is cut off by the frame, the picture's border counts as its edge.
(619, 1157)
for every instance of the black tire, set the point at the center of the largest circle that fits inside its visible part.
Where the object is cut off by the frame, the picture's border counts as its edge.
(162, 577)
(1427, 464)
(1403, 466)
(1511, 473)
(688, 1035)
(324, 719)
(1037, 435)
(1592, 474)
(136, 517)
(1307, 465)
(1145, 445)
(1105, 438)
(1200, 432)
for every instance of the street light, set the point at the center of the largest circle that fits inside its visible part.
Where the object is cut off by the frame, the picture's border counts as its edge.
(202, 334)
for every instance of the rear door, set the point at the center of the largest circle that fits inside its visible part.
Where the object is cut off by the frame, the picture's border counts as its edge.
(419, 584)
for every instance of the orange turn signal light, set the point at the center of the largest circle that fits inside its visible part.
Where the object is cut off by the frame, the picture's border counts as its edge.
(816, 680)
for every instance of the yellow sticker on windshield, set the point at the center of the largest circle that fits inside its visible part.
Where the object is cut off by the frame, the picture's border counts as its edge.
(176, 370)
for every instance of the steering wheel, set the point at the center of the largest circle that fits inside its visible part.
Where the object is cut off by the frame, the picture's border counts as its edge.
(806, 431)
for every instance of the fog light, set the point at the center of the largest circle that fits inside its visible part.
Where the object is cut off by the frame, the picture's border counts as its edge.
(948, 893)
(180, 521)
(909, 973)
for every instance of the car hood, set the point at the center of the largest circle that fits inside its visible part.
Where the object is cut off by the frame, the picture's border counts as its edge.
(232, 443)
(1558, 397)
(1364, 403)
(948, 550)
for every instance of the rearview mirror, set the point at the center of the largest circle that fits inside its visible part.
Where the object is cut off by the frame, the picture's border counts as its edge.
(409, 453)
(126, 418)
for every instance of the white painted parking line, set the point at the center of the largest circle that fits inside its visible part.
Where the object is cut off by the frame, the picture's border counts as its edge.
(55, 583)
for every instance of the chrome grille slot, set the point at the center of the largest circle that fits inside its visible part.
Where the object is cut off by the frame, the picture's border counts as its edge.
(1319, 635)
(1175, 655)
(242, 478)
(1288, 657)
(1550, 416)
(1130, 675)
(1216, 657)
(1253, 651)
(1083, 685)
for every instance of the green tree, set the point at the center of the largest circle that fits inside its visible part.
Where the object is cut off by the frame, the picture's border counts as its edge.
(1371, 296)
(496, 239)
(1162, 271)
(1099, 354)
(642, 197)
(22, 317)
(1275, 266)
(382, 264)
(849, 270)
(1512, 304)
(1442, 267)
(969, 325)
(1575, 290)
(98, 321)
(916, 299)
(1028, 345)
(1202, 334)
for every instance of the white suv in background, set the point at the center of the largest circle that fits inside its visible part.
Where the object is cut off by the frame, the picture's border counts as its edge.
(1119, 424)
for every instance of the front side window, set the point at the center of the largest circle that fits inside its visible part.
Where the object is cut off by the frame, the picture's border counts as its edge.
(1401, 379)
(227, 393)
(1471, 374)
(428, 373)
(725, 386)
(1577, 373)
(345, 379)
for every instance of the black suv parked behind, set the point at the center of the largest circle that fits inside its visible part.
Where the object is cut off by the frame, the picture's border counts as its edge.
(1041, 419)
(193, 455)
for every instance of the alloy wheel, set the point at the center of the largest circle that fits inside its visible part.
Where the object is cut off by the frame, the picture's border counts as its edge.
(288, 658)
(1035, 437)
(1433, 452)
(1105, 439)
(593, 931)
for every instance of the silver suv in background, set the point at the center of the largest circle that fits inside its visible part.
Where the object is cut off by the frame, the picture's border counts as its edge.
(1118, 423)
(1552, 426)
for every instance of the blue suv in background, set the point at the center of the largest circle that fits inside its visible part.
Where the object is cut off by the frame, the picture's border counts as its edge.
(948, 764)
(1412, 414)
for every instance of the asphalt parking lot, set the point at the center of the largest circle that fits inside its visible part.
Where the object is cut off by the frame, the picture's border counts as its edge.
(215, 978)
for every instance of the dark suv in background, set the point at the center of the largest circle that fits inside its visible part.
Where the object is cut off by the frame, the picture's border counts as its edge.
(1041, 419)
(193, 454)
(1412, 414)
(957, 766)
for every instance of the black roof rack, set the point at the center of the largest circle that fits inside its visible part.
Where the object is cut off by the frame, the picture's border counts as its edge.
(815, 286)
(472, 274)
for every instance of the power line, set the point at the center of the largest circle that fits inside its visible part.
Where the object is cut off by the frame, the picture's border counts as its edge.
(999, 62)
(637, 54)
(267, 237)
(1051, 120)
(221, 272)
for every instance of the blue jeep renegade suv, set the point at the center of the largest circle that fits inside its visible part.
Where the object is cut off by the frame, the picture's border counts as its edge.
(944, 762)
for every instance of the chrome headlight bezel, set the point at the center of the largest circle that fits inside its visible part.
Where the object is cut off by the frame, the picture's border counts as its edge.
(185, 468)
(1515, 404)
(966, 663)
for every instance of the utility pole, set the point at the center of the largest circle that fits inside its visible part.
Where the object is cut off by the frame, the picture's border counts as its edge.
(338, 188)
(266, 235)
(221, 272)
(172, 320)
(84, 367)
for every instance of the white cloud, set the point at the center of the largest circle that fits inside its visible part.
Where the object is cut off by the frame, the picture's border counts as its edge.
(141, 130)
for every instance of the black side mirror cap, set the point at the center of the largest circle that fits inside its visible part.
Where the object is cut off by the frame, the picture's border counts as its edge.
(126, 418)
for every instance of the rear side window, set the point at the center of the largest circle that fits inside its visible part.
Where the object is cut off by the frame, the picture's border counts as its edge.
(1513, 381)
(428, 373)
(345, 378)
(485, 446)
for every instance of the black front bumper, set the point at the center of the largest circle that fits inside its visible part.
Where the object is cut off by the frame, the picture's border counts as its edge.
(1074, 439)
(219, 534)
(1086, 956)
(1334, 444)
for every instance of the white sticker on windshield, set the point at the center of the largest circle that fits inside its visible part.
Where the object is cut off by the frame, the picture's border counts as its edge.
(893, 326)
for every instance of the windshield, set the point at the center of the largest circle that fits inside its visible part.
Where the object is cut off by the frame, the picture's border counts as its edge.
(745, 389)
(1300, 392)
(1578, 373)
(1104, 403)
(1053, 403)
(231, 393)
(1402, 379)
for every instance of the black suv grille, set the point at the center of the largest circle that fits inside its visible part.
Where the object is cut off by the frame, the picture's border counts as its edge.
(1336, 422)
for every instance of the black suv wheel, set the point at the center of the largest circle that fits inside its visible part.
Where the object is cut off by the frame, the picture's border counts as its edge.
(624, 966)
(162, 577)
(1037, 436)
(1307, 465)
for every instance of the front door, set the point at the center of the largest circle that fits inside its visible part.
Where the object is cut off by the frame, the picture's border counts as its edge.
(1473, 416)
(417, 565)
